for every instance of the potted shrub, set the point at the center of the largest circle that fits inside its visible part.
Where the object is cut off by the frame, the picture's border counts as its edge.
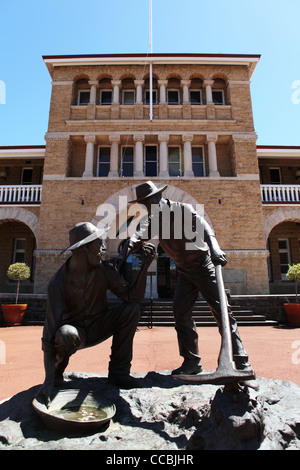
(292, 310)
(13, 314)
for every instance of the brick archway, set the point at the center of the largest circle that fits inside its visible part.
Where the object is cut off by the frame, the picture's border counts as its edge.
(283, 214)
(20, 215)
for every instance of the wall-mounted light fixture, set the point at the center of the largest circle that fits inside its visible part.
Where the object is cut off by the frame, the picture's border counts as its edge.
(3, 175)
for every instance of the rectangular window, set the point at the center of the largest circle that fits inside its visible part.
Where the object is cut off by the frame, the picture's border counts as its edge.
(198, 161)
(128, 97)
(275, 175)
(103, 161)
(26, 175)
(173, 96)
(218, 96)
(195, 97)
(19, 250)
(174, 161)
(151, 160)
(83, 97)
(105, 97)
(147, 97)
(127, 160)
(284, 256)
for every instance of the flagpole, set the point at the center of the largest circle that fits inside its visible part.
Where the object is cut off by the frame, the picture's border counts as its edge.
(150, 71)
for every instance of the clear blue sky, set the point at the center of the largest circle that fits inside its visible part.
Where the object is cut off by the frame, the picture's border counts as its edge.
(30, 29)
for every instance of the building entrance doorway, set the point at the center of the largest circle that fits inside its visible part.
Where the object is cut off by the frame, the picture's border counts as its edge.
(166, 275)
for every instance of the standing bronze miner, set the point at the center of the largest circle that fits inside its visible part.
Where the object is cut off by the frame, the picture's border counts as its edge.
(195, 259)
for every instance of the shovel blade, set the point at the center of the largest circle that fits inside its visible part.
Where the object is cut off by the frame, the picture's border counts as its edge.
(222, 376)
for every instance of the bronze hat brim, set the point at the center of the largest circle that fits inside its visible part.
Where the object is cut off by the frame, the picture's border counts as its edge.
(158, 190)
(97, 234)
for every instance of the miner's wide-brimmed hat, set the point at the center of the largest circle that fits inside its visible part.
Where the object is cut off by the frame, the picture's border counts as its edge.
(84, 233)
(145, 190)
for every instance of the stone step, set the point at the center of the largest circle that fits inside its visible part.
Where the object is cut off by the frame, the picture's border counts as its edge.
(161, 314)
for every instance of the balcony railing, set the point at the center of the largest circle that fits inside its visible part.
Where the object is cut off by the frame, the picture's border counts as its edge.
(21, 194)
(280, 193)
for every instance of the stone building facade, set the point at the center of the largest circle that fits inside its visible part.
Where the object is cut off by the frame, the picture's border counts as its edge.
(183, 120)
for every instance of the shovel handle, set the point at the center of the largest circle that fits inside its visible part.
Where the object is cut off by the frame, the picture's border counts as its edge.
(225, 355)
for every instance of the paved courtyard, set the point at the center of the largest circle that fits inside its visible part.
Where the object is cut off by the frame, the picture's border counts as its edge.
(274, 353)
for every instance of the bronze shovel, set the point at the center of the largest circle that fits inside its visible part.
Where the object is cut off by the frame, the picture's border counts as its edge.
(226, 372)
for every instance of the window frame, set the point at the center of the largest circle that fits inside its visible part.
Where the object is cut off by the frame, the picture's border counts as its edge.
(154, 93)
(284, 250)
(279, 173)
(198, 90)
(178, 96)
(105, 91)
(122, 163)
(203, 162)
(78, 98)
(218, 90)
(151, 161)
(18, 250)
(180, 160)
(129, 90)
(25, 168)
(103, 163)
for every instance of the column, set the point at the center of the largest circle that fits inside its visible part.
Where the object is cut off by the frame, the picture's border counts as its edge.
(163, 156)
(116, 91)
(93, 91)
(139, 90)
(114, 156)
(186, 85)
(89, 155)
(210, 107)
(91, 108)
(139, 155)
(162, 90)
(212, 155)
(186, 105)
(187, 155)
(208, 88)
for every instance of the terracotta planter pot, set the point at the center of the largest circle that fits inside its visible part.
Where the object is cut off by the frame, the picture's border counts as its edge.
(293, 314)
(13, 314)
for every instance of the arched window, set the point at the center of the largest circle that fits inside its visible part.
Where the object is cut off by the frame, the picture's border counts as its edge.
(128, 91)
(82, 92)
(105, 91)
(196, 86)
(219, 91)
(173, 92)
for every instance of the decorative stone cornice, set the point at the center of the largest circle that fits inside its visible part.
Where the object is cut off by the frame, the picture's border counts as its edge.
(187, 138)
(114, 138)
(163, 137)
(211, 138)
(138, 138)
(208, 82)
(116, 82)
(90, 138)
(56, 137)
(244, 137)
